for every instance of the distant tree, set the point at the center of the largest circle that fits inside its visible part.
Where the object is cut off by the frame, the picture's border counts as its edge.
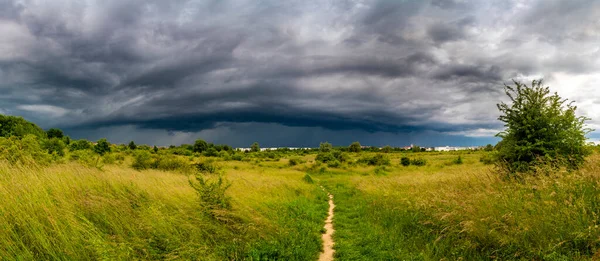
(416, 149)
(541, 128)
(102, 147)
(54, 133)
(17, 126)
(132, 145)
(386, 149)
(55, 146)
(354, 147)
(211, 152)
(155, 149)
(255, 147)
(488, 147)
(325, 147)
(66, 139)
(80, 145)
(200, 146)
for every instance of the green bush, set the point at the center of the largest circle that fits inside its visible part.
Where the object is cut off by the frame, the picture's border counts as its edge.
(418, 162)
(541, 129)
(458, 160)
(354, 147)
(54, 146)
(334, 164)
(85, 157)
(26, 151)
(487, 159)
(341, 156)
(207, 167)
(308, 179)
(405, 161)
(325, 157)
(295, 161)
(171, 163)
(211, 152)
(237, 157)
(142, 159)
(102, 147)
(80, 145)
(376, 160)
(17, 126)
(211, 191)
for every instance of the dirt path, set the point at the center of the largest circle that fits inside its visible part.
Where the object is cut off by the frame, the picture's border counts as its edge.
(327, 254)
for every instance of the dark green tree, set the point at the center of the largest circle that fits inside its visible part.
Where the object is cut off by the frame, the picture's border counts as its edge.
(155, 149)
(354, 147)
(325, 147)
(200, 146)
(80, 145)
(54, 133)
(132, 145)
(102, 147)
(17, 126)
(55, 146)
(255, 147)
(541, 128)
(386, 149)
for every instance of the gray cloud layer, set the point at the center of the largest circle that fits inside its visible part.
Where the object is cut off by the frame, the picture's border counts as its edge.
(363, 66)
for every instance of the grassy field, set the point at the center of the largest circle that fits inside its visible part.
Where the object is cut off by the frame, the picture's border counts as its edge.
(448, 209)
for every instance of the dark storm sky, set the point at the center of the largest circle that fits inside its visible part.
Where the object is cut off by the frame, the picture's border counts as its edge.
(290, 73)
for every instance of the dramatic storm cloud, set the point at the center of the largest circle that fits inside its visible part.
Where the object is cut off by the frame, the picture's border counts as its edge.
(290, 73)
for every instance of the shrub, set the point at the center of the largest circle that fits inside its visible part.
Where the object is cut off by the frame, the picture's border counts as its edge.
(486, 159)
(540, 129)
(295, 161)
(211, 191)
(132, 145)
(458, 160)
(54, 133)
(25, 151)
(334, 164)
(200, 146)
(386, 149)
(325, 147)
(171, 163)
(341, 156)
(255, 147)
(237, 157)
(55, 146)
(17, 126)
(405, 161)
(376, 160)
(102, 147)
(142, 159)
(211, 152)
(325, 157)
(354, 147)
(418, 162)
(85, 157)
(80, 145)
(308, 179)
(206, 167)
(381, 171)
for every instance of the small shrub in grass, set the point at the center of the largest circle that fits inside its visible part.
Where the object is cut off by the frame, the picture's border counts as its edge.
(109, 158)
(341, 156)
(405, 161)
(308, 179)
(458, 160)
(171, 163)
(295, 161)
(325, 157)
(381, 171)
(206, 167)
(334, 164)
(142, 159)
(55, 146)
(418, 162)
(376, 160)
(211, 152)
(211, 191)
(25, 151)
(487, 159)
(84, 157)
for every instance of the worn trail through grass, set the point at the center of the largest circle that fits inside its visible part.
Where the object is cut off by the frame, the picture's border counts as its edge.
(328, 251)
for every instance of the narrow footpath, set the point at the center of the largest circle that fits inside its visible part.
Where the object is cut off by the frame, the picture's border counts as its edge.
(328, 251)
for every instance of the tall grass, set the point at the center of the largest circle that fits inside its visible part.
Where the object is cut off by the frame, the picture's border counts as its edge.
(467, 212)
(73, 212)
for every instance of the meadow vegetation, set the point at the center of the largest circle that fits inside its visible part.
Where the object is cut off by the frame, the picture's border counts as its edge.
(69, 199)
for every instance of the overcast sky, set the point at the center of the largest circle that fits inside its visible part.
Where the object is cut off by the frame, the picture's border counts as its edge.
(290, 73)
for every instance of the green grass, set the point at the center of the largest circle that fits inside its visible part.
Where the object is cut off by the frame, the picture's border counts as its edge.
(440, 211)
